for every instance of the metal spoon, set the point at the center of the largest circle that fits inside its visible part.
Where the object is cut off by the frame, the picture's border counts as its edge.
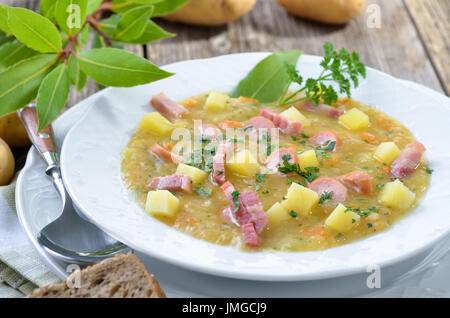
(70, 237)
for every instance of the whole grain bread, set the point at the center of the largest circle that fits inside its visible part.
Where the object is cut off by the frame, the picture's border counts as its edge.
(122, 276)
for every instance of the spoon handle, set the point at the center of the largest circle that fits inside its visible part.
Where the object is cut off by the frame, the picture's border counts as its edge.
(43, 140)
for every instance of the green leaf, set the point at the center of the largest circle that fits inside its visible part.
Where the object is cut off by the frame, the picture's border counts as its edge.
(4, 19)
(4, 38)
(83, 36)
(70, 15)
(121, 6)
(132, 24)
(47, 9)
(167, 7)
(13, 52)
(152, 32)
(93, 5)
(99, 42)
(76, 76)
(52, 95)
(114, 67)
(20, 82)
(108, 25)
(268, 80)
(34, 30)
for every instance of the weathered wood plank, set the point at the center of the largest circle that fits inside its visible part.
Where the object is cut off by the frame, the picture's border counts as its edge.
(432, 19)
(394, 48)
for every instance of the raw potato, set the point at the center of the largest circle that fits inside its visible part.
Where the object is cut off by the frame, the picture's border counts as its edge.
(12, 131)
(211, 12)
(6, 163)
(327, 11)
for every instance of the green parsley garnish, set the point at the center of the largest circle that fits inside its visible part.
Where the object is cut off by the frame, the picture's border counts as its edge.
(237, 203)
(293, 214)
(257, 187)
(369, 225)
(329, 145)
(429, 171)
(325, 197)
(362, 200)
(261, 177)
(380, 185)
(203, 192)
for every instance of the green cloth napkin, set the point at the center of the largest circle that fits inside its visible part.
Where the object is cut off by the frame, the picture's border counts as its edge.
(21, 270)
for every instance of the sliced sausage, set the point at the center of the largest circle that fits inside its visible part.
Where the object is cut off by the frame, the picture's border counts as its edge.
(260, 125)
(287, 126)
(324, 137)
(164, 154)
(250, 235)
(322, 185)
(167, 107)
(359, 181)
(275, 159)
(408, 160)
(175, 182)
(208, 131)
(322, 109)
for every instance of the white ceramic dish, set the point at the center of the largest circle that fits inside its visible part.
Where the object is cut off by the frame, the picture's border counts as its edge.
(90, 162)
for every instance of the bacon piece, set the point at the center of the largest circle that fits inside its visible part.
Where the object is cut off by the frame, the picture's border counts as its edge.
(250, 235)
(218, 174)
(287, 126)
(322, 109)
(275, 159)
(227, 215)
(167, 107)
(322, 185)
(174, 182)
(250, 209)
(410, 158)
(359, 181)
(322, 138)
(260, 125)
(164, 154)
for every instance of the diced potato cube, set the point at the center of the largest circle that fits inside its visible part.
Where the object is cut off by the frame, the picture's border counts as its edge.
(300, 199)
(196, 174)
(387, 152)
(162, 203)
(293, 113)
(396, 195)
(243, 163)
(157, 123)
(354, 119)
(341, 220)
(278, 214)
(308, 159)
(216, 101)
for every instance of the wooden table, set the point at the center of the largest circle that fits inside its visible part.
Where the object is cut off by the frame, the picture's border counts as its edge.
(412, 41)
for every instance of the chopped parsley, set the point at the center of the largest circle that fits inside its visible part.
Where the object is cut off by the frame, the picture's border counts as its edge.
(203, 192)
(219, 172)
(362, 200)
(369, 225)
(380, 185)
(429, 171)
(303, 135)
(329, 145)
(310, 173)
(261, 177)
(235, 197)
(257, 187)
(325, 197)
(293, 214)
(265, 192)
(294, 138)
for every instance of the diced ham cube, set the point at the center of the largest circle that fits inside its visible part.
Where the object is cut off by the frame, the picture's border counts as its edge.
(251, 238)
(219, 158)
(164, 154)
(167, 107)
(410, 158)
(253, 210)
(287, 126)
(175, 182)
(322, 109)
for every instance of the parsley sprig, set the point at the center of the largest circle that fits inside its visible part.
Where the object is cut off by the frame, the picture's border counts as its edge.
(341, 67)
(309, 173)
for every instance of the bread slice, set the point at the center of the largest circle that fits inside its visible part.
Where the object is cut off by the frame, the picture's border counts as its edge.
(122, 276)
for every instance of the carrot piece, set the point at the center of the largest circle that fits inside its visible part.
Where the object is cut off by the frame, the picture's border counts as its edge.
(244, 99)
(190, 103)
(230, 124)
(369, 138)
(382, 122)
(385, 170)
